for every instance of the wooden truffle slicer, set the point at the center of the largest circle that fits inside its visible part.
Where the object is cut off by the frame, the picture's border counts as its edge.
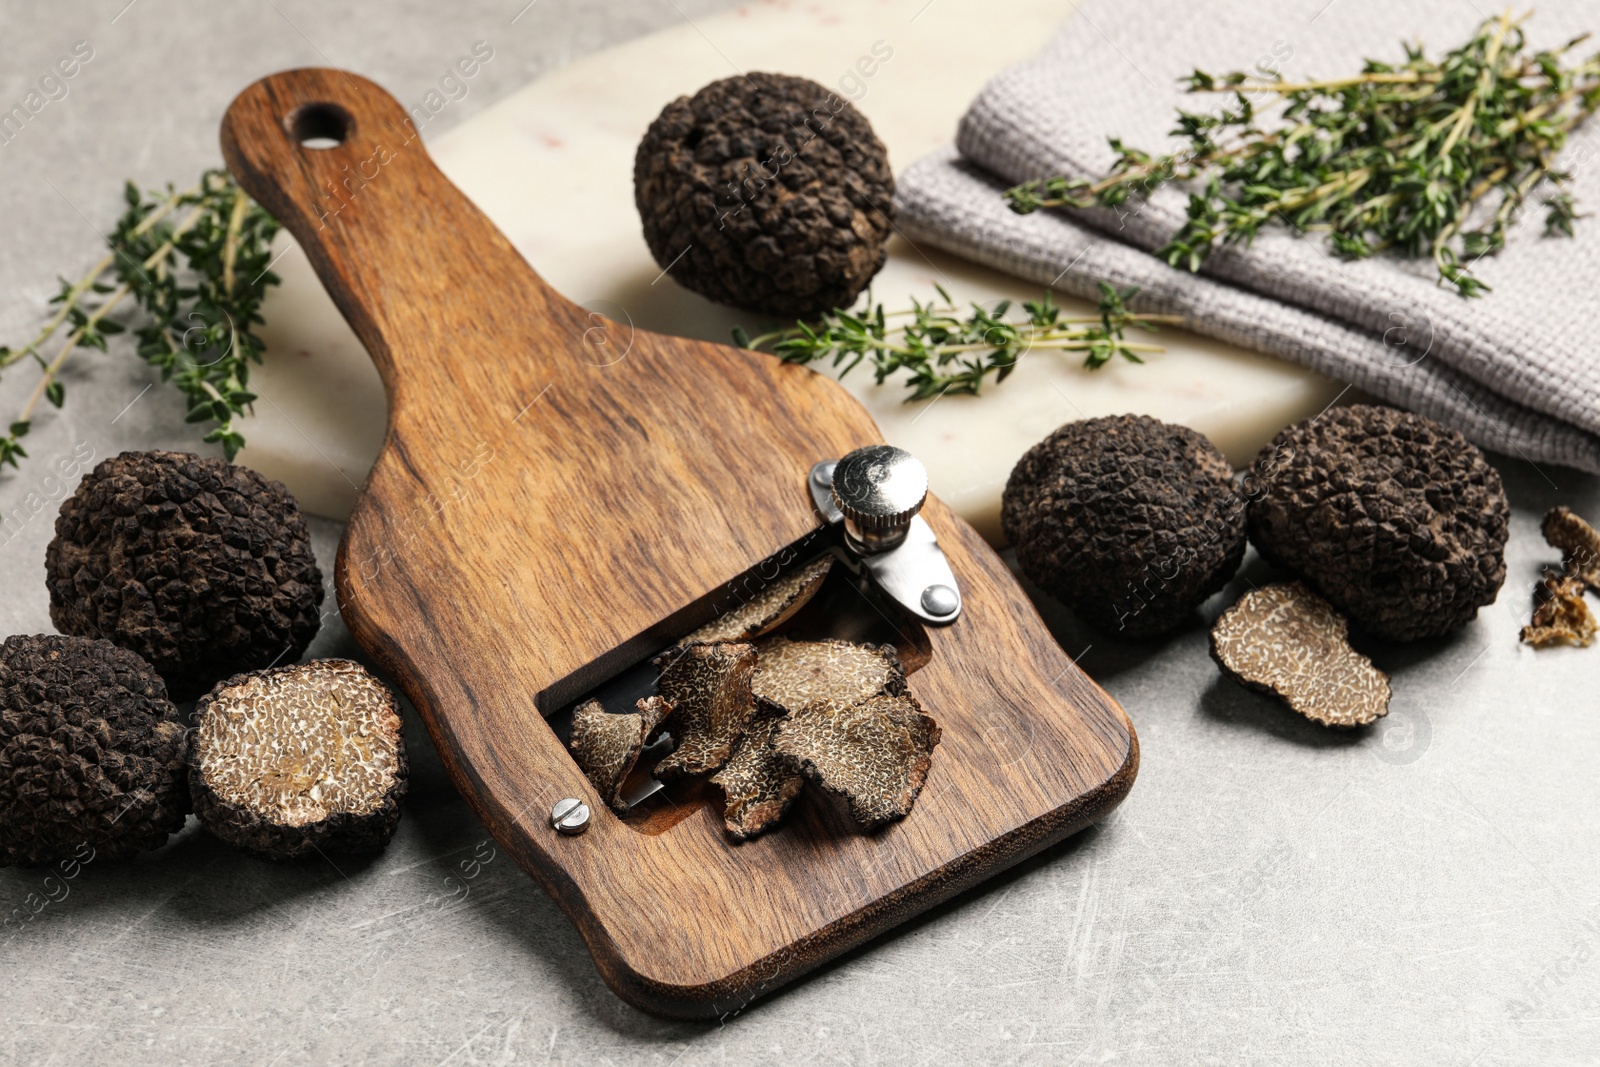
(560, 497)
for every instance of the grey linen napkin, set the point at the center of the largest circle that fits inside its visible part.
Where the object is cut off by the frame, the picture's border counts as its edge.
(1516, 370)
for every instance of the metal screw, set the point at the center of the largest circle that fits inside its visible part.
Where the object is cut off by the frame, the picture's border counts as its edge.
(570, 816)
(940, 600)
(822, 474)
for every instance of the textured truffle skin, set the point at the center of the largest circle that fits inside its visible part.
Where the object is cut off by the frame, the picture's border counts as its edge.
(1130, 521)
(766, 192)
(360, 828)
(201, 567)
(1399, 522)
(91, 752)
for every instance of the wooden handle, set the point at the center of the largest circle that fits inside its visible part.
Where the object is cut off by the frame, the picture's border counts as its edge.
(339, 162)
(543, 515)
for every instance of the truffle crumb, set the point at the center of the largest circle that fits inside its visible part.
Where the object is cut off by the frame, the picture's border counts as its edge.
(1559, 614)
(1286, 640)
(874, 755)
(606, 746)
(1128, 520)
(708, 687)
(1579, 542)
(1399, 522)
(201, 567)
(767, 192)
(91, 752)
(298, 759)
(767, 610)
(792, 674)
(758, 786)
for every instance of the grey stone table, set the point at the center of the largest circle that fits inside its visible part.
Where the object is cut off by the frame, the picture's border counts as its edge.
(1427, 891)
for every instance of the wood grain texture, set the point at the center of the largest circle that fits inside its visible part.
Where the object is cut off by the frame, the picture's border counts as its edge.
(557, 497)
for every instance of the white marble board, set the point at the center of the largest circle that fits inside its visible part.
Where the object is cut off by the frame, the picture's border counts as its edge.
(552, 165)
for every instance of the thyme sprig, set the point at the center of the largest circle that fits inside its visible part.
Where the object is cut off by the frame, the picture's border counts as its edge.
(195, 266)
(940, 350)
(1432, 158)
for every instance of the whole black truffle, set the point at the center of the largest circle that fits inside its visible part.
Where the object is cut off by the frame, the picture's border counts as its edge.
(91, 752)
(293, 760)
(1130, 521)
(1396, 520)
(201, 567)
(766, 192)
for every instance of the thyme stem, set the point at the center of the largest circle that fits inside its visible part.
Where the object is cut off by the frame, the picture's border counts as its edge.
(1396, 157)
(940, 351)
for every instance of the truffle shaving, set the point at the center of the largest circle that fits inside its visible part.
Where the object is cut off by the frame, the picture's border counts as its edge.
(293, 760)
(768, 609)
(759, 786)
(1579, 542)
(1286, 640)
(873, 755)
(1560, 617)
(606, 746)
(793, 674)
(708, 687)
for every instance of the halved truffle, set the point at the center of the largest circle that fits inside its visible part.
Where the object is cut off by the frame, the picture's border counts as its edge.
(1398, 521)
(874, 756)
(1560, 617)
(201, 567)
(1579, 543)
(1285, 640)
(791, 674)
(758, 785)
(767, 192)
(768, 609)
(1128, 520)
(91, 752)
(299, 759)
(708, 687)
(606, 746)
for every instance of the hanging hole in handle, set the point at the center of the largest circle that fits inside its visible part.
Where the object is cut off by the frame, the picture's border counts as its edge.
(320, 126)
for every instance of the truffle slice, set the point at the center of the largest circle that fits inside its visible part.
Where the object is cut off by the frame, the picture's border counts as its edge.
(1130, 521)
(792, 674)
(299, 759)
(873, 755)
(1286, 640)
(1559, 614)
(1579, 542)
(91, 753)
(767, 610)
(758, 785)
(708, 687)
(607, 746)
(201, 567)
(1399, 522)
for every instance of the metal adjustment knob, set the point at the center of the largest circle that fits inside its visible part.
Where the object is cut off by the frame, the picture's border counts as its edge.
(879, 489)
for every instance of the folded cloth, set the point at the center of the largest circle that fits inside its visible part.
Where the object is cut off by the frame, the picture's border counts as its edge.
(1516, 370)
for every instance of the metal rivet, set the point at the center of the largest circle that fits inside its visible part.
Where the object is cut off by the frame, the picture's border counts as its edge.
(940, 600)
(822, 474)
(570, 816)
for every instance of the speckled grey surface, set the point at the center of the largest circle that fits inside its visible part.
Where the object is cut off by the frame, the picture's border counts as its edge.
(1427, 891)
